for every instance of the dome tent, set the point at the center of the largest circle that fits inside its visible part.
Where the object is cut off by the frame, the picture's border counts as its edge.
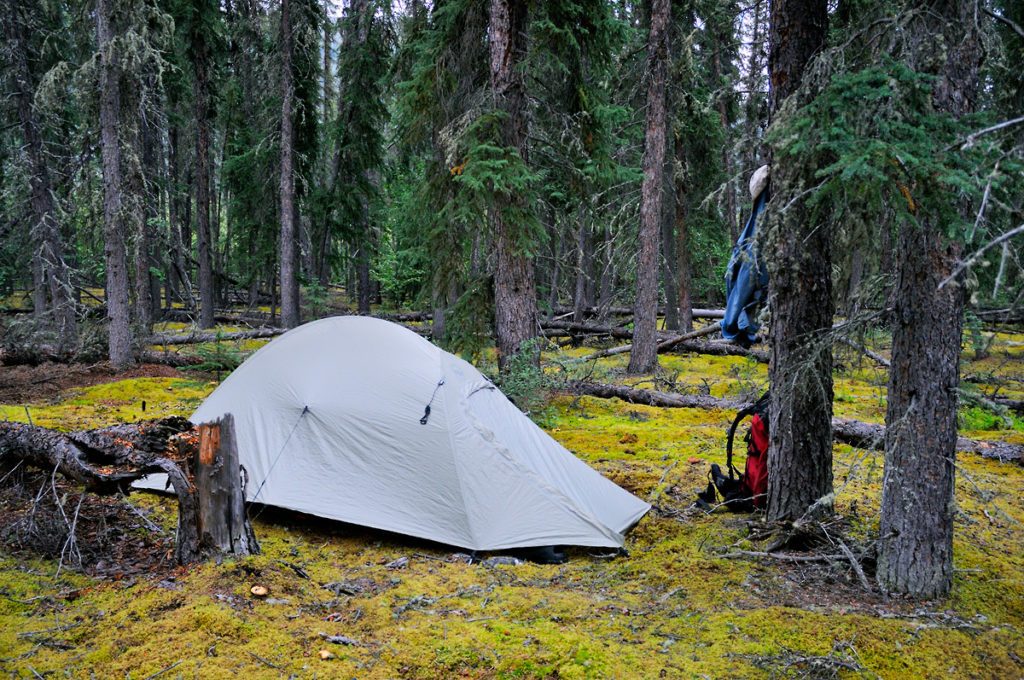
(332, 419)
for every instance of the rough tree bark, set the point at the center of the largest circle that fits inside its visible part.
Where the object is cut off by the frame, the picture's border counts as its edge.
(288, 251)
(118, 308)
(800, 295)
(644, 357)
(916, 533)
(222, 525)
(515, 294)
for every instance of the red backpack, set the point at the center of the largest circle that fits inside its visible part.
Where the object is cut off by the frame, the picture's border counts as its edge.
(746, 491)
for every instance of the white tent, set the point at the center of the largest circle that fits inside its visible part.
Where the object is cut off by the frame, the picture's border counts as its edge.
(330, 420)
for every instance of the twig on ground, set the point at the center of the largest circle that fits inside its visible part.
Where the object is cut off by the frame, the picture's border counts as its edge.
(782, 557)
(855, 563)
(159, 673)
(264, 661)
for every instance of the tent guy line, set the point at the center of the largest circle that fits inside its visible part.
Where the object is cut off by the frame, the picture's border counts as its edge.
(305, 410)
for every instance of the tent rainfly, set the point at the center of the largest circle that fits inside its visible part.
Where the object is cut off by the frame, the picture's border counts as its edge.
(361, 420)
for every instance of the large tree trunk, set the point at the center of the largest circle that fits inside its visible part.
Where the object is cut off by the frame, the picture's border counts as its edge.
(204, 237)
(288, 251)
(916, 533)
(800, 269)
(644, 357)
(515, 294)
(54, 275)
(118, 309)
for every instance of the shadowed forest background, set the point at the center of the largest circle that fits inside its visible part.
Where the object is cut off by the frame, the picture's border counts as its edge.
(551, 190)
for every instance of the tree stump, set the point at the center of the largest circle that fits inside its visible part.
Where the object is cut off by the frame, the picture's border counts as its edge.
(223, 527)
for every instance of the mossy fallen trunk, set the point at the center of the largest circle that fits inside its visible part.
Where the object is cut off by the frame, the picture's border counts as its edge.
(107, 460)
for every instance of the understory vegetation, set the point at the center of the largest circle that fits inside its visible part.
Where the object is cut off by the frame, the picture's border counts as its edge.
(695, 596)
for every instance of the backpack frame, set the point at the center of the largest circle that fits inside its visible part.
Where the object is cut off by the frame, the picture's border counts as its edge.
(734, 489)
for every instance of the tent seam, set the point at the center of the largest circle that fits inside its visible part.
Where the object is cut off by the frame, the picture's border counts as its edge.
(538, 479)
(455, 461)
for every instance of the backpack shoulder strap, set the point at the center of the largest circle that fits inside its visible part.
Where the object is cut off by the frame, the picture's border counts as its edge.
(759, 406)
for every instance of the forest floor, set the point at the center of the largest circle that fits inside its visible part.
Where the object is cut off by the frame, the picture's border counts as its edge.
(107, 601)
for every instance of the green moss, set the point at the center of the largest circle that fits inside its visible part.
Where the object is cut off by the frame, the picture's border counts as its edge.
(672, 607)
(115, 402)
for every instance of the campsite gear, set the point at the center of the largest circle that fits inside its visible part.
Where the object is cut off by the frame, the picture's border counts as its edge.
(758, 181)
(746, 491)
(332, 419)
(746, 282)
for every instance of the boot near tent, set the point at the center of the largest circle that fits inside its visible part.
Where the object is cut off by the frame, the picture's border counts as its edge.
(361, 420)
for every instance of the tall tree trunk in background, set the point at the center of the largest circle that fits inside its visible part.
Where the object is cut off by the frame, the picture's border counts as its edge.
(363, 283)
(644, 356)
(118, 309)
(515, 294)
(328, 75)
(54, 274)
(915, 553)
(669, 258)
(682, 224)
(38, 288)
(201, 58)
(800, 266)
(289, 259)
(722, 36)
(584, 259)
(754, 101)
(557, 238)
(137, 201)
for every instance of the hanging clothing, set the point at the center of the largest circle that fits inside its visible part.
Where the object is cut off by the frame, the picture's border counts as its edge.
(746, 282)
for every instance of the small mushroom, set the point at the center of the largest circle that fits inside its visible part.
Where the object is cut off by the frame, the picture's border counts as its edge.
(326, 655)
(259, 591)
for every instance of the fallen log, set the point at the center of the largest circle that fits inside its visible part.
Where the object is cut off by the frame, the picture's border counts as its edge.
(107, 460)
(172, 359)
(575, 329)
(722, 349)
(853, 432)
(650, 397)
(1016, 405)
(200, 337)
(870, 436)
(662, 346)
(697, 312)
(104, 461)
(1007, 315)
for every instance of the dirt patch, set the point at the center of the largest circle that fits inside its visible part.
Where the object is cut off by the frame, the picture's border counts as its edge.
(32, 384)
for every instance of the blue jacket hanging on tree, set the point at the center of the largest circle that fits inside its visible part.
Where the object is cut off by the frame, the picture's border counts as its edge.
(746, 282)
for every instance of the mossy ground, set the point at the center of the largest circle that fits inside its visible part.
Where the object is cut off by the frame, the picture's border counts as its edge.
(672, 608)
